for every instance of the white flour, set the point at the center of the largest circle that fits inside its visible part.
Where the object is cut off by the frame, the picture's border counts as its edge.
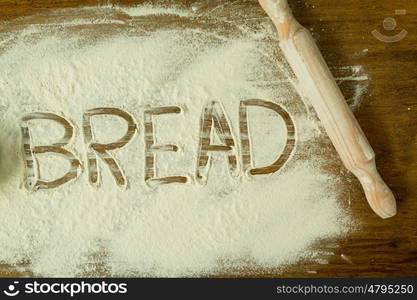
(176, 229)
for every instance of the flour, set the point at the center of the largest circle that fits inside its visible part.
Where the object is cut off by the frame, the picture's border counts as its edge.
(175, 229)
(146, 10)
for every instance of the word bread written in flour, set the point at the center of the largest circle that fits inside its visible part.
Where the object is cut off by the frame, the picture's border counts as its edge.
(213, 120)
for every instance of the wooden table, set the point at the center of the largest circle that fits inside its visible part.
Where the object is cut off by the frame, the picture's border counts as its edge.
(388, 115)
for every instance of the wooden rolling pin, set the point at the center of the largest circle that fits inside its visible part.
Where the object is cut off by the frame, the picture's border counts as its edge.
(316, 83)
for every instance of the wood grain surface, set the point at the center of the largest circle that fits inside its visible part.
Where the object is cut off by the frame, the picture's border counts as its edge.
(388, 116)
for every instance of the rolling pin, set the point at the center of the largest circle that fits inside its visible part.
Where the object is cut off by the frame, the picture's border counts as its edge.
(316, 83)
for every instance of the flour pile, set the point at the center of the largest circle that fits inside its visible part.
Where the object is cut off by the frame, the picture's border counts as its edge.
(175, 229)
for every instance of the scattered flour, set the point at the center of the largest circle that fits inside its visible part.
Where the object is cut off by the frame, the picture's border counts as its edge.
(172, 230)
(146, 10)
